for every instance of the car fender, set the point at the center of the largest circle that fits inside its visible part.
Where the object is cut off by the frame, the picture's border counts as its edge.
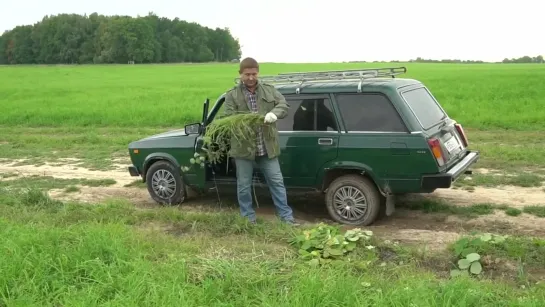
(346, 165)
(156, 156)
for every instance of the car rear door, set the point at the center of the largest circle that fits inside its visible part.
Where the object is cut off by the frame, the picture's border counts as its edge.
(378, 140)
(446, 138)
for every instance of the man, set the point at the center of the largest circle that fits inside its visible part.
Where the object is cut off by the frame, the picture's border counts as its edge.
(250, 95)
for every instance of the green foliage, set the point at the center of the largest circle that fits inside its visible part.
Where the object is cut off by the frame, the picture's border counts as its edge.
(109, 255)
(493, 238)
(196, 160)
(469, 245)
(112, 98)
(72, 38)
(241, 127)
(324, 244)
(468, 249)
(120, 95)
(471, 263)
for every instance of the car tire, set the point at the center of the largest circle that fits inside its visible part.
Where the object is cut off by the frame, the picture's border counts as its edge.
(165, 183)
(348, 189)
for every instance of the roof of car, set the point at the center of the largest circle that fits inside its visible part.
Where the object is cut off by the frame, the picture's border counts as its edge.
(334, 85)
(339, 80)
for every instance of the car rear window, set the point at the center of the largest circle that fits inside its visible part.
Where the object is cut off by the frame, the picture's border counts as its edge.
(424, 107)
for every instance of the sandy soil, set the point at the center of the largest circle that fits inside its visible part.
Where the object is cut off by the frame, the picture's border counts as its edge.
(432, 231)
(516, 197)
(67, 171)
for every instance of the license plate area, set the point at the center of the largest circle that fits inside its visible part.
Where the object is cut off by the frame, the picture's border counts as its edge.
(452, 145)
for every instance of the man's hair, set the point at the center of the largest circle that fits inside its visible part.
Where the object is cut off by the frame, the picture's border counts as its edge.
(248, 63)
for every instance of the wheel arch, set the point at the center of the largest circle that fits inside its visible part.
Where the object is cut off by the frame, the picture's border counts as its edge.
(156, 157)
(329, 174)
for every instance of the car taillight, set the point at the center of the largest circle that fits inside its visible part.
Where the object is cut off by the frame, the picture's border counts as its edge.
(462, 134)
(435, 147)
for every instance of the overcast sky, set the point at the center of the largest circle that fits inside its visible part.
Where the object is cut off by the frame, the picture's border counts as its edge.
(337, 30)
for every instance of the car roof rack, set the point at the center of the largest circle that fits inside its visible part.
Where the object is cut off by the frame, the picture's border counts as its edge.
(333, 75)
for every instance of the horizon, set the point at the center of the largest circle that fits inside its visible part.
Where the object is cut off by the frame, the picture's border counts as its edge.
(469, 32)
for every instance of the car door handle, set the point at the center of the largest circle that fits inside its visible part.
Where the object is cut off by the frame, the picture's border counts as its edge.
(325, 141)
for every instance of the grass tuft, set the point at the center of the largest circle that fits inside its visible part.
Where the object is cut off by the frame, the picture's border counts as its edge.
(538, 211)
(513, 211)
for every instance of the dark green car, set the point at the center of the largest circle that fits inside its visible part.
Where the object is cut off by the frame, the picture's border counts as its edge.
(358, 136)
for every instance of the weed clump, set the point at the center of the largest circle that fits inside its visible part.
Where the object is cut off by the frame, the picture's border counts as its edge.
(242, 127)
(325, 244)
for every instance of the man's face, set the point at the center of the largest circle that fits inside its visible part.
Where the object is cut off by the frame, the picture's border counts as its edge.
(249, 76)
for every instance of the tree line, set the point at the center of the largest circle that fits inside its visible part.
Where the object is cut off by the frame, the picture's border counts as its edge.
(99, 39)
(524, 59)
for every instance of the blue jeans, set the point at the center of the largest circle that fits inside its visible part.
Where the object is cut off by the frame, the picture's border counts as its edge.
(273, 176)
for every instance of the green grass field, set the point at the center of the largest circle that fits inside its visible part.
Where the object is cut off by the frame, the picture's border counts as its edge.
(70, 253)
(80, 108)
(484, 96)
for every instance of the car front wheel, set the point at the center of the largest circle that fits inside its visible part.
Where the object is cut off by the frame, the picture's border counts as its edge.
(165, 183)
(353, 200)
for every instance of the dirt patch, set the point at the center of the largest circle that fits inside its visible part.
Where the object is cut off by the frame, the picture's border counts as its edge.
(432, 240)
(8, 176)
(136, 196)
(525, 224)
(485, 171)
(67, 171)
(516, 197)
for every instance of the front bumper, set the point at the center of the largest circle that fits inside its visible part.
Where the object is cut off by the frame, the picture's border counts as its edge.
(445, 180)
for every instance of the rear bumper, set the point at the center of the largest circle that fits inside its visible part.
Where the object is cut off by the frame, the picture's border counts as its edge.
(133, 171)
(445, 180)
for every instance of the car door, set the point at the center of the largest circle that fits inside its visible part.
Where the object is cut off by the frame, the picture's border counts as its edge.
(377, 138)
(309, 137)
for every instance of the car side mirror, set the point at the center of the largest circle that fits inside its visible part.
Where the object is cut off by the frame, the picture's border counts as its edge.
(193, 129)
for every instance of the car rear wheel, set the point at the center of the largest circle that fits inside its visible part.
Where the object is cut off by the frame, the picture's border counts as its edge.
(165, 183)
(353, 200)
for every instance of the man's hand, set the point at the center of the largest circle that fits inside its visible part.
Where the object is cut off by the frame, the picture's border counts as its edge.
(270, 118)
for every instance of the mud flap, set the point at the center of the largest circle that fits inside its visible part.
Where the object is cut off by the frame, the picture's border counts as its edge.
(390, 204)
(390, 200)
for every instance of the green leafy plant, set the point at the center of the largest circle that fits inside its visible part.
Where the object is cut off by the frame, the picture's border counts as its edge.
(492, 238)
(468, 251)
(242, 127)
(469, 264)
(196, 160)
(325, 244)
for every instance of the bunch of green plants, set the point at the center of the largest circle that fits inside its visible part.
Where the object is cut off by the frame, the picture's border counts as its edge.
(469, 264)
(242, 127)
(325, 244)
(468, 251)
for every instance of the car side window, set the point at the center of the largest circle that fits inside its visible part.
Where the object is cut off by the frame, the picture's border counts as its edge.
(312, 114)
(369, 112)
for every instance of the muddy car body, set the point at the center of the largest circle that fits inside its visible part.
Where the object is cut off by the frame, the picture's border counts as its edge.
(358, 136)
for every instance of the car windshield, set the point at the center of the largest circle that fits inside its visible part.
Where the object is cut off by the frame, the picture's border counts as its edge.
(424, 107)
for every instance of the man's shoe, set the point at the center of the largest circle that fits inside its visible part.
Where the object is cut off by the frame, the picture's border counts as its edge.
(293, 223)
